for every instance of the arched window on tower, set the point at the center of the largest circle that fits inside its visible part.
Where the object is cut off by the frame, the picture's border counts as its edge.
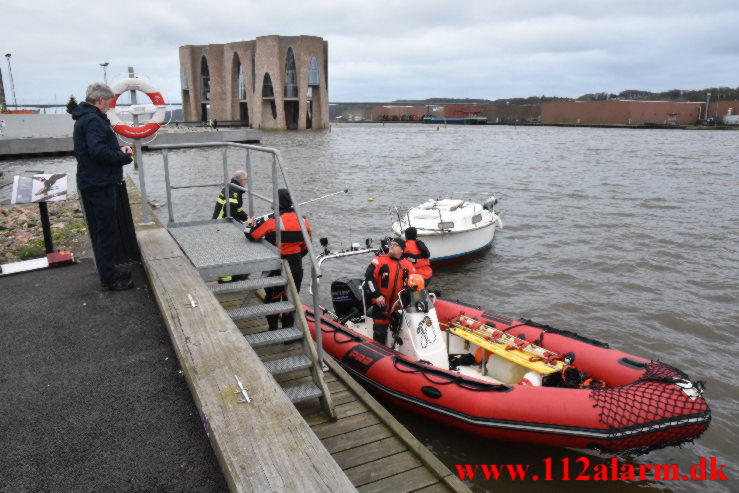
(204, 80)
(267, 89)
(253, 71)
(240, 82)
(291, 79)
(313, 75)
(268, 93)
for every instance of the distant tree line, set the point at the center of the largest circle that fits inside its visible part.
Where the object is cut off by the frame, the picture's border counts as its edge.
(721, 93)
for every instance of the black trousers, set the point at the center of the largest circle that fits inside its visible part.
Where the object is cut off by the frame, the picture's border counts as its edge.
(273, 295)
(100, 210)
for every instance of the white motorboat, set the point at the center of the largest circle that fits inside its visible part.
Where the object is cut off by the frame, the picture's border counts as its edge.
(452, 228)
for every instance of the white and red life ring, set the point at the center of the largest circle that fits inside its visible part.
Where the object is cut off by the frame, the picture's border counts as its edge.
(157, 109)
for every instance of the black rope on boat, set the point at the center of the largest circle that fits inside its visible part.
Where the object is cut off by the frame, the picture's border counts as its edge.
(565, 333)
(336, 329)
(448, 379)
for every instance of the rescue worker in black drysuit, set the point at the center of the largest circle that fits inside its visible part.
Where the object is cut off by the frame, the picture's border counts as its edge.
(293, 249)
(234, 197)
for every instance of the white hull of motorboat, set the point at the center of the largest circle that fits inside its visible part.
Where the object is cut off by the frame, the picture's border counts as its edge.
(452, 228)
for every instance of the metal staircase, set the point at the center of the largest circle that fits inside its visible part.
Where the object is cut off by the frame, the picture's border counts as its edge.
(218, 248)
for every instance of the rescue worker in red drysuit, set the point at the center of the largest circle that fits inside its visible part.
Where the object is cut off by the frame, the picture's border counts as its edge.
(385, 277)
(293, 249)
(418, 253)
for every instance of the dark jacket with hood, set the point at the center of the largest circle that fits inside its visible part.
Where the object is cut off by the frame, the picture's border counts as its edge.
(100, 160)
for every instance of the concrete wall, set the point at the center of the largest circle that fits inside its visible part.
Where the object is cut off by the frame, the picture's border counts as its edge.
(265, 55)
(21, 126)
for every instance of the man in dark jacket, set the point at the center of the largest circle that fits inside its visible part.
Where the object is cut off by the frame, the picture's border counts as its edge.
(100, 162)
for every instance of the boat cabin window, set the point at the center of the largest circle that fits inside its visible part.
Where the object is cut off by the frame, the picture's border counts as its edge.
(476, 218)
(446, 225)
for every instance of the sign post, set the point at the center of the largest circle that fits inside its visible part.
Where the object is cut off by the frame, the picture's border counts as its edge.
(41, 188)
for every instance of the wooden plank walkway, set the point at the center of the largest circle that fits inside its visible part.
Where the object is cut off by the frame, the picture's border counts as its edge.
(375, 451)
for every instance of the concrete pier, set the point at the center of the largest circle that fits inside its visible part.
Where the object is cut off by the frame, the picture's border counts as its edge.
(13, 148)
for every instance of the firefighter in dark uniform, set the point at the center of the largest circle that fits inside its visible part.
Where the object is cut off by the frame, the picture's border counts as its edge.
(293, 250)
(234, 197)
(385, 277)
(418, 253)
(237, 211)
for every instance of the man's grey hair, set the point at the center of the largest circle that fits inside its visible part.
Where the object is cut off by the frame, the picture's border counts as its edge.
(98, 90)
(240, 175)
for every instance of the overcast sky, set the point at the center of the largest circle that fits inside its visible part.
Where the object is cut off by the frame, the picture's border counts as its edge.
(383, 50)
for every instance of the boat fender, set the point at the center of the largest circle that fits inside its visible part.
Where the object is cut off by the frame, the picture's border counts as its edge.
(157, 118)
(531, 379)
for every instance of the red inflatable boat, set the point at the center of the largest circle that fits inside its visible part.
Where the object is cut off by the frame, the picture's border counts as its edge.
(512, 380)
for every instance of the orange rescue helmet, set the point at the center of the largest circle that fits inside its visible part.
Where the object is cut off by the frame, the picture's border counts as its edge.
(416, 282)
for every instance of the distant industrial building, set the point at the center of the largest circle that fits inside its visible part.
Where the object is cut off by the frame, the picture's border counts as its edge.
(272, 82)
(618, 112)
(494, 113)
(611, 112)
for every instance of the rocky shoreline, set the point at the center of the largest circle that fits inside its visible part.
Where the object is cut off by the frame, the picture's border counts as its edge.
(21, 234)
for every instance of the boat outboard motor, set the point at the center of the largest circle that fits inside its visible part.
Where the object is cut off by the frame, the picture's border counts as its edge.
(347, 296)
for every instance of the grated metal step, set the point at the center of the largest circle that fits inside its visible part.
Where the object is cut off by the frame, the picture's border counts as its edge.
(278, 336)
(256, 311)
(247, 285)
(288, 364)
(301, 393)
(218, 248)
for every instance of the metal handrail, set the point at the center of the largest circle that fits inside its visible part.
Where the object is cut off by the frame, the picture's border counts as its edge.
(276, 167)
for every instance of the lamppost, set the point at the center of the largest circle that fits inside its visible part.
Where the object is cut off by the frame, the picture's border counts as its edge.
(12, 84)
(105, 72)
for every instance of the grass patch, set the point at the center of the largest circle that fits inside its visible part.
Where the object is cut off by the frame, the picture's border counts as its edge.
(30, 252)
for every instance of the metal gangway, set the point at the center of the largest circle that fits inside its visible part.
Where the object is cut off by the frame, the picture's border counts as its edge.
(219, 248)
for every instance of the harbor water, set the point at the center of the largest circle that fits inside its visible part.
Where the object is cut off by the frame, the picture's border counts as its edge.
(625, 236)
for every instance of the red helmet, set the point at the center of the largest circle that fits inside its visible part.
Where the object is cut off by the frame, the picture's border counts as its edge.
(416, 282)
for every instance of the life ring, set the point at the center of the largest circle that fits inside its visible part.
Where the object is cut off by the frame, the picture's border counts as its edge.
(157, 109)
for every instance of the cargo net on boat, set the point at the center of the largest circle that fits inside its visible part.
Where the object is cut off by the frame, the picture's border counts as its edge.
(661, 409)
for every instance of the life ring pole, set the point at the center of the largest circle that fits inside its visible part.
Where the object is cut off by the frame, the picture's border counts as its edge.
(139, 159)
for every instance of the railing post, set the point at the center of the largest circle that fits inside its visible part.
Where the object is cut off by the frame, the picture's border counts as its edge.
(165, 158)
(317, 316)
(226, 181)
(248, 183)
(276, 205)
